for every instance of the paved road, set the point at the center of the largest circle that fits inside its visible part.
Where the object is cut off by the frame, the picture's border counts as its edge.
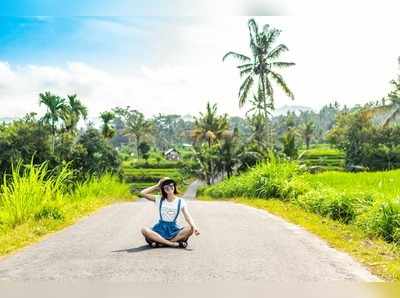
(237, 243)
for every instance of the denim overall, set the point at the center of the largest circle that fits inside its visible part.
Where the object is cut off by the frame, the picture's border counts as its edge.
(167, 229)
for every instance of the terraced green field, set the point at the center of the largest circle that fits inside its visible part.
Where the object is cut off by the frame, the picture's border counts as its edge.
(328, 159)
(384, 184)
(140, 178)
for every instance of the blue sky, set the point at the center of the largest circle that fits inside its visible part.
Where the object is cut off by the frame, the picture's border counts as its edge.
(105, 41)
(85, 8)
(146, 8)
(173, 64)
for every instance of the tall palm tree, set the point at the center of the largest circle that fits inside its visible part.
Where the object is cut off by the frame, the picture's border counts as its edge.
(55, 107)
(260, 70)
(107, 131)
(209, 126)
(73, 111)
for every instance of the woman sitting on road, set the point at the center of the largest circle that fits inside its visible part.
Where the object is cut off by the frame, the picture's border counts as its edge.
(168, 208)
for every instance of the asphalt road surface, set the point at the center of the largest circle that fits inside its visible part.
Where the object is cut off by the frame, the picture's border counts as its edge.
(237, 243)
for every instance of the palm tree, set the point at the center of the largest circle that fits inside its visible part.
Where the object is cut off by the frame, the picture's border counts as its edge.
(207, 159)
(259, 71)
(107, 131)
(308, 131)
(135, 125)
(388, 113)
(229, 152)
(72, 113)
(259, 132)
(55, 107)
(209, 126)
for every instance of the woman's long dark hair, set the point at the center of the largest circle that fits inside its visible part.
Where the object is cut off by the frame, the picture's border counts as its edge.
(163, 193)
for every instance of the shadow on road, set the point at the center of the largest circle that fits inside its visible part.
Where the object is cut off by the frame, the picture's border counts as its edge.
(146, 247)
(134, 249)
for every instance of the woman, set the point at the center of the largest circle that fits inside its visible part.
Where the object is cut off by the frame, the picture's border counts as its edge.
(168, 208)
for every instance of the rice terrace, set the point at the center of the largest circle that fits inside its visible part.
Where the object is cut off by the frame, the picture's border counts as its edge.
(283, 170)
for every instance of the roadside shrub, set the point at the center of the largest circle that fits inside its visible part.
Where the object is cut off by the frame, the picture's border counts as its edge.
(49, 212)
(330, 203)
(341, 208)
(28, 189)
(383, 220)
(271, 179)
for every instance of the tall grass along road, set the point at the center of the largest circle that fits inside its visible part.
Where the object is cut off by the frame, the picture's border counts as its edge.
(237, 243)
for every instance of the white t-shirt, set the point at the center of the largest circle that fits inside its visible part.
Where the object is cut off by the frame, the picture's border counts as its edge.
(168, 209)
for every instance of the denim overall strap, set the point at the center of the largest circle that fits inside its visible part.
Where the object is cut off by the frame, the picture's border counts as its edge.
(161, 200)
(179, 208)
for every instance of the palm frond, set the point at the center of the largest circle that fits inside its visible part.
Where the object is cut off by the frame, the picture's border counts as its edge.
(392, 117)
(271, 36)
(283, 64)
(245, 72)
(255, 50)
(244, 90)
(270, 92)
(277, 51)
(278, 78)
(247, 65)
(253, 27)
(266, 28)
(238, 56)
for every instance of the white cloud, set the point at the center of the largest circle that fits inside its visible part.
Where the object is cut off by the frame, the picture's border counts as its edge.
(348, 60)
(166, 89)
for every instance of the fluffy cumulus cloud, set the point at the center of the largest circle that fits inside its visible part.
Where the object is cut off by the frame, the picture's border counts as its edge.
(167, 89)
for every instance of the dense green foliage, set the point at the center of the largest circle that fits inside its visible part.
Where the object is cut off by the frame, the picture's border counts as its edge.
(36, 192)
(367, 200)
(24, 139)
(274, 178)
(365, 144)
(92, 154)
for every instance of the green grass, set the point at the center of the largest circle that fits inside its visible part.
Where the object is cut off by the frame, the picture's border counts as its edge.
(368, 201)
(35, 201)
(28, 189)
(327, 152)
(382, 185)
(140, 178)
(152, 178)
(272, 179)
(150, 172)
(133, 172)
(327, 158)
(101, 187)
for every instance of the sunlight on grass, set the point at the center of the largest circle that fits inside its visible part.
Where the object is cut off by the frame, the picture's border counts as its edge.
(35, 201)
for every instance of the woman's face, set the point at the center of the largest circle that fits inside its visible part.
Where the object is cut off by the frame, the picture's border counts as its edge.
(169, 188)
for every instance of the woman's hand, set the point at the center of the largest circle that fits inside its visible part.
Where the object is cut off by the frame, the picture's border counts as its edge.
(196, 231)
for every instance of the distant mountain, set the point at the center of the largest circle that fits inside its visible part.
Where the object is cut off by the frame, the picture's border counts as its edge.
(7, 119)
(286, 108)
(188, 117)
